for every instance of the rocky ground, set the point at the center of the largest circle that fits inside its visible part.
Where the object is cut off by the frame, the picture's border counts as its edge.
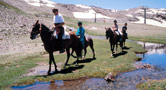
(15, 32)
(16, 22)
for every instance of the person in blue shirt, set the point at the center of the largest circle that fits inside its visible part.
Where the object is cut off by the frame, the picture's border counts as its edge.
(81, 33)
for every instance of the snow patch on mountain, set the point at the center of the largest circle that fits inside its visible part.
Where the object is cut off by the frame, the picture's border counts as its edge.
(129, 15)
(151, 22)
(89, 15)
(39, 3)
(83, 6)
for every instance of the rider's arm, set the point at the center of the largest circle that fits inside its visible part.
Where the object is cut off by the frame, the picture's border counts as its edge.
(114, 28)
(60, 25)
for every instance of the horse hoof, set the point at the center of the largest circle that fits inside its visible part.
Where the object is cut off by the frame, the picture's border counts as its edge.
(83, 58)
(112, 55)
(94, 58)
(76, 64)
(56, 70)
(48, 73)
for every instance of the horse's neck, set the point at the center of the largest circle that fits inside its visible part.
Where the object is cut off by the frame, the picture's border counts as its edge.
(112, 35)
(45, 35)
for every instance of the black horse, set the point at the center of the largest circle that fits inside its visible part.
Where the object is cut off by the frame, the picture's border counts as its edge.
(124, 37)
(113, 39)
(88, 42)
(52, 45)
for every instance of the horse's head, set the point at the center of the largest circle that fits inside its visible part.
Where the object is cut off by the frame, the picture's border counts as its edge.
(35, 30)
(108, 32)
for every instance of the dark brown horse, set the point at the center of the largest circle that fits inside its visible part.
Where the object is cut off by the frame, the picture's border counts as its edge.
(88, 42)
(52, 45)
(113, 39)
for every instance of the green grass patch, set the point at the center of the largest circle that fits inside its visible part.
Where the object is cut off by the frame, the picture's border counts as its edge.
(12, 72)
(100, 67)
(94, 33)
(153, 39)
(153, 85)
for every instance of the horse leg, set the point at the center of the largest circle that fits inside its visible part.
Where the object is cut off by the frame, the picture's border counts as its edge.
(85, 51)
(91, 46)
(124, 42)
(54, 62)
(112, 49)
(121, 45)
(116, 47)
(76, 62)
(50, 61)
(68, 55)
(72, 53)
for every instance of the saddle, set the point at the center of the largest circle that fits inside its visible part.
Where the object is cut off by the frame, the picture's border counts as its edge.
(64, 36)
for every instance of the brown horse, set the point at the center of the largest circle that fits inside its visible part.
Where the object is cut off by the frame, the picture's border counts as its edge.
(124, 37)
(88, 42)
(113, 39)
(52, 45)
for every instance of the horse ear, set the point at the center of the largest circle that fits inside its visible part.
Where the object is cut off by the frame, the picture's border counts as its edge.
(37, 22)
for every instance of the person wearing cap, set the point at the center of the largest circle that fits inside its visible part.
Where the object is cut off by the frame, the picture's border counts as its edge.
(58, 21)
(81, 33)
(115, 29)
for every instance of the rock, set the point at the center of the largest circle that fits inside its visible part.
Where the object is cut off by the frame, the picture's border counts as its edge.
(147, 66)
(110, 77)
(138, 59)
(143, 66)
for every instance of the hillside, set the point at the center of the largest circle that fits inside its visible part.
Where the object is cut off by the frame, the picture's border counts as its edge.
(155, 17)
(18, 16)
(15, 27)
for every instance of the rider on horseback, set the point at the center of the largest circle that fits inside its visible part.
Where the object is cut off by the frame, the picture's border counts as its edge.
(124, 29)
(115, 29)
(80, 32)
(58, 21)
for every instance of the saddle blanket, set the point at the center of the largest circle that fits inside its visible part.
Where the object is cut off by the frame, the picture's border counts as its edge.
(64, 36)
(118, 32)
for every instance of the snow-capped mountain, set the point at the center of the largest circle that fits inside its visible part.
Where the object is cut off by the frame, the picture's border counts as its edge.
(155, 17)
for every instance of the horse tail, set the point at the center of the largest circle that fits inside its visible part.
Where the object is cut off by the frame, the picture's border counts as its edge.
(90, 41)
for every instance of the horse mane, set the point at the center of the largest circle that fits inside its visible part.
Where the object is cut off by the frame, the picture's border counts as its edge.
(45, 27)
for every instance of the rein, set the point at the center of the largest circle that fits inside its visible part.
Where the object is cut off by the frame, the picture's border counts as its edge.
(40, 28)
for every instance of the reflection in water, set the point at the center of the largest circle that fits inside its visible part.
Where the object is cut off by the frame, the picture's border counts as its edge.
(53, 85)
(155, 55)
(125, 81)
(40, 86)
(154, 48)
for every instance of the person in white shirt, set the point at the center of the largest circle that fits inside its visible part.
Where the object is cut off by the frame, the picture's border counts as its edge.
(115, 29)
(58, 21)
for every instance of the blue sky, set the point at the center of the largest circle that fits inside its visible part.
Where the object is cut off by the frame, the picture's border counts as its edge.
(117, 4)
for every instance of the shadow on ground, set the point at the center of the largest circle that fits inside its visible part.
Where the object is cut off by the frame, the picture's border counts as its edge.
(70, 69)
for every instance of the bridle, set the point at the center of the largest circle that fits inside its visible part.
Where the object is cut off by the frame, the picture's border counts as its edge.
(40, 28)
(35, 32)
